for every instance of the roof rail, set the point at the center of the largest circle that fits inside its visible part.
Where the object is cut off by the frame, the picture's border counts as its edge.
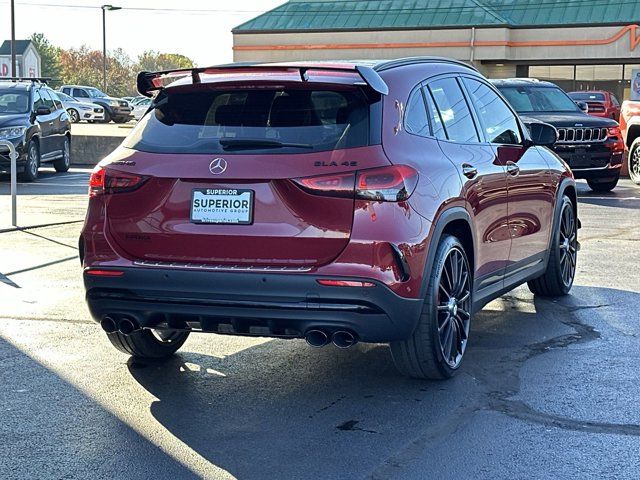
(401, 62)
(148, 82)
(44, 80)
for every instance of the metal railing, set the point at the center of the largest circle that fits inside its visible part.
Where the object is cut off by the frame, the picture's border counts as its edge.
(13, 157)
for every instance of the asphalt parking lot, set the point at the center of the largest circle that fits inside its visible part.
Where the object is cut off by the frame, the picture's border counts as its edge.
(549, 388)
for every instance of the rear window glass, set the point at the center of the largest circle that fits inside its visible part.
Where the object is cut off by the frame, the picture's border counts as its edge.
(257, 120)
(587, 96)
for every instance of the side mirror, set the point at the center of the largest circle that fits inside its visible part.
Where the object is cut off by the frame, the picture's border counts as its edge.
(584, 106)
(43, 111)
(542, 134)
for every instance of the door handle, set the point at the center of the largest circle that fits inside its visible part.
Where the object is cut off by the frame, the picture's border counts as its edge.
(469, 171)
(513, 169)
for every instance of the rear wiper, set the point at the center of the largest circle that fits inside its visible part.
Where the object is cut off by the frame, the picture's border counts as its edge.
(258, 143)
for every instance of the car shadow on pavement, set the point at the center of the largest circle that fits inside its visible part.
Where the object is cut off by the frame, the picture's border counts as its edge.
(626, 195)
(283, 410)
(50, 429)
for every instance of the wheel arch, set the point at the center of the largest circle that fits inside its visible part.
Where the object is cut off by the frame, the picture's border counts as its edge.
(633, 132)
(453, 221)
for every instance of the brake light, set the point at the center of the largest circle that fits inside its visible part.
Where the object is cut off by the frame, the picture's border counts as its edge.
(103, 181)
(393, 183)
(96, 181)
(338, 185)
(344, 283)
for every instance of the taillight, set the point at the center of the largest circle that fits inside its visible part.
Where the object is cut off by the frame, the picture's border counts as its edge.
(338, 185)
(394, 183)
(96, 181)
(389, 184)
(103, 181)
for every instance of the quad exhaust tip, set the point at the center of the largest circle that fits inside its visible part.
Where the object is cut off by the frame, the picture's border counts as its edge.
(127, 326)
(316, 338)
(343, 339)
(109, 325)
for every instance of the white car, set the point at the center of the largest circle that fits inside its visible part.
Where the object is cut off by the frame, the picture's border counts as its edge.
(141, 108)
(80, 110)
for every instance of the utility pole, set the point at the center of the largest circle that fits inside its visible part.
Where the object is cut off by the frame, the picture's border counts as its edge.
(13, 39)
(104, 43)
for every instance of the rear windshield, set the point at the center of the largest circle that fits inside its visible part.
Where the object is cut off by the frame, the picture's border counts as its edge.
(14, 101)
(283, 120)
(526, 99)
(587, 96)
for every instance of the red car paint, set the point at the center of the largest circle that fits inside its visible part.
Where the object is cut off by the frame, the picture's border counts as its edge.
(350, 241)
(601, 103)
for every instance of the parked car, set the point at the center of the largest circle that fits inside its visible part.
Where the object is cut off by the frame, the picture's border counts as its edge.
(141, 108)
(34, 120)
(380, 202)
(630, 126)
(77, 111)
(592, 146)
(116, 109)
(600, 102)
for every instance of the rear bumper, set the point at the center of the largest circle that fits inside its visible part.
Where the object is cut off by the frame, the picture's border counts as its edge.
(256, 304)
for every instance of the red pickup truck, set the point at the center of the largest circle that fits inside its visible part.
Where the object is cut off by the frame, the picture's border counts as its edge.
(601, 103)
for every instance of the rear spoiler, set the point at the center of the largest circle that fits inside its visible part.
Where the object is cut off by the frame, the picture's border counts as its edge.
(148, 82)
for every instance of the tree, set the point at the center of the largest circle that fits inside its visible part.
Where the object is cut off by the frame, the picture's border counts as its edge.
(83, 66)
(49, 56)
(151, 61)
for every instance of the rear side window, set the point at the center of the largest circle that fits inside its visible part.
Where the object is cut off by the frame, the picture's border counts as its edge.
(274, 120)
(453, 110)
(415, 117)
(498, 122)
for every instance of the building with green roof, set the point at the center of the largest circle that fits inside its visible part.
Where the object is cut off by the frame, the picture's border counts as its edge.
(579, 44)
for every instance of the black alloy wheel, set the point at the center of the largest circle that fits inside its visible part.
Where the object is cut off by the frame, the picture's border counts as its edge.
(454, 307)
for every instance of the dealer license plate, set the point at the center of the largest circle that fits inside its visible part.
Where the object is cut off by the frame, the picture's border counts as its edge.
(222, 206)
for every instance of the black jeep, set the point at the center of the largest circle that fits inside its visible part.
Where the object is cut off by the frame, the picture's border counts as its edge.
(592, 146)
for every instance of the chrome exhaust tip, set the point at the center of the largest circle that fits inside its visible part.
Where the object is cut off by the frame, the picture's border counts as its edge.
(343, 339)
(316, 338)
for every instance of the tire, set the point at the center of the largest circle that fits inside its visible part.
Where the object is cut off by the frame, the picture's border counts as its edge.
(33, 162)
(145, 344)
(561, 267)
(605, 185)
(74, 116)
(63, 164)
(445, 318)
(634, 161)
(120, 120)
(107, 117)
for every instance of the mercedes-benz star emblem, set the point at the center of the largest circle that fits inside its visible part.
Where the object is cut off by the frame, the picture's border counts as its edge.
(218, 166)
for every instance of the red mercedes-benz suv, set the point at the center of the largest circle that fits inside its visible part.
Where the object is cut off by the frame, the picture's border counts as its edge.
(338, 202)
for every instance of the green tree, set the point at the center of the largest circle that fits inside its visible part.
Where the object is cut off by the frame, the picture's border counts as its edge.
(151, 61)
(50, 57)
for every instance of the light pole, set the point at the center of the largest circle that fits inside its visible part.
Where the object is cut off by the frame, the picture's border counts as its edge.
(104, 43)
(13, 39)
